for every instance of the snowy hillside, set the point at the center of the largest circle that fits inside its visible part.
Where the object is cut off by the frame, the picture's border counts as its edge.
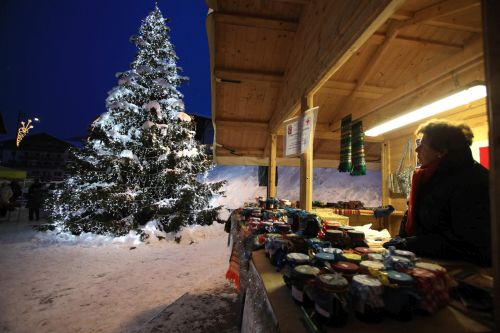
(329, 185)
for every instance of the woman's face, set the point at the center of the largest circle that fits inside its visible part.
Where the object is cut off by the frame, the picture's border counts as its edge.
(425, 154)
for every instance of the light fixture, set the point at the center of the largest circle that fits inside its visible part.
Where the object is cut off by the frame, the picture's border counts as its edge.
(460, 98)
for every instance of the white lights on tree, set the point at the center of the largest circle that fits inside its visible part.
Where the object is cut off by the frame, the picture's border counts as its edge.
(184, 117)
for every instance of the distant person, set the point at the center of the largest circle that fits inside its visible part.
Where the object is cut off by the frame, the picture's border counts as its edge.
(16, 191)
(5, 195)
(34, 200)
(448, 213)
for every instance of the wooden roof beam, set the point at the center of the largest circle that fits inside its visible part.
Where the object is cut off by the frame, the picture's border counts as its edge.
(345, 89)
(469, 56)
(298, 2)
(444, 8)
(238, 76)
(379, 38)
(442, 22)
(254, 125)
(255, 22)
(318, 53)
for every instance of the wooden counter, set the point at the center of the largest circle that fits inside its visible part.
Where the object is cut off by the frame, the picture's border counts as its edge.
(288, 314)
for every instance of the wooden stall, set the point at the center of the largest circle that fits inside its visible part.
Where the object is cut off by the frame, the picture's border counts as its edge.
(373, 59)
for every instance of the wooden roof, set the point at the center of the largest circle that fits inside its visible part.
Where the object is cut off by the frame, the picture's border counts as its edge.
(374, 59)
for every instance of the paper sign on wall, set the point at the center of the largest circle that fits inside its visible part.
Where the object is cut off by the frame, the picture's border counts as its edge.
(298, 132)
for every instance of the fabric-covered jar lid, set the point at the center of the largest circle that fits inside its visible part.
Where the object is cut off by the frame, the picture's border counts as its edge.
(352, 257)
(430, 267)
(345, 267)
(399, 278)
(333, 281)
(374, 256)
(332, 250)
(377, 265)
(296, 257)
(306, 270)
(325, 256)
(367, 280)
(407, 254)
(363, 250)
(334, 233)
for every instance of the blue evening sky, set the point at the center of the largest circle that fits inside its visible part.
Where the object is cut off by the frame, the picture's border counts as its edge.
(58, 58)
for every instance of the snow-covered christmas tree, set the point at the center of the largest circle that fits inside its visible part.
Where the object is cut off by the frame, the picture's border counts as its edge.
(141, 161)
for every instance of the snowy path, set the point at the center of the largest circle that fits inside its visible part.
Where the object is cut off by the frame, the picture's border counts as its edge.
(54, 287)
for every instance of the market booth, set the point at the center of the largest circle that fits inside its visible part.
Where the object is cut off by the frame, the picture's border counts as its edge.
(272, 60)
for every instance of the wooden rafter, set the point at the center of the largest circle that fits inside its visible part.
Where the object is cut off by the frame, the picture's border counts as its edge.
(444, 8)
(234, 75)
(471, 55)
(346, 88)
(242, 124)
(443, 22)
(256, 22)
(298, 2)
(317, 53)
(379, 38)
(432, 12)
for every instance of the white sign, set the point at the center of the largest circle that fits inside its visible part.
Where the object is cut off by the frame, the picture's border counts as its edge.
(298, 132)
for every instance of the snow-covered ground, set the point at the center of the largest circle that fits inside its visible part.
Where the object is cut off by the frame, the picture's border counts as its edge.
(49, 285)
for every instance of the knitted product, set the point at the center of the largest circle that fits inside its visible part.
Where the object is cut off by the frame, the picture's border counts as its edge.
(358, 150)
(345, 145)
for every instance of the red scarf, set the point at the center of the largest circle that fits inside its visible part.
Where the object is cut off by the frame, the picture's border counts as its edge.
(420, 177)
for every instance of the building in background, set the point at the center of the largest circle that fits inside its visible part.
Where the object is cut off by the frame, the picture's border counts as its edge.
(41, 155)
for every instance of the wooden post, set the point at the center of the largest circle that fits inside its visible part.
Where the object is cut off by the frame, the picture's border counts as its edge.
(491, 27)
(271, 180)
(306, 163)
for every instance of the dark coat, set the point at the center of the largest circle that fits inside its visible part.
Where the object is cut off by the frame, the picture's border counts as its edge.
(452, 215)
(35, 196)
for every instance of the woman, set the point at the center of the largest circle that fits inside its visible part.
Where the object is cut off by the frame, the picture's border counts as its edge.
(448, 211)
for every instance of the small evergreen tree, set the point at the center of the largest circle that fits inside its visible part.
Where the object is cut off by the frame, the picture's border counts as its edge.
(141, 161)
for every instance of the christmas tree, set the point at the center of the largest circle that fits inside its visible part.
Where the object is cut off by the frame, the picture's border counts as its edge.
(141, 161)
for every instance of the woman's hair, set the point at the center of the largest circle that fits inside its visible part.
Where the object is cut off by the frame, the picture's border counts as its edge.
(447, 137)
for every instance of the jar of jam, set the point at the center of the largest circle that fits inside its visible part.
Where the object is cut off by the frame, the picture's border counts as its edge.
(366, 295)
(331, 299)
(301, 276)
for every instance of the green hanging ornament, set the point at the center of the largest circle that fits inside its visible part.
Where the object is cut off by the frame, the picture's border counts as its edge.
(358, 149)
(345, 145)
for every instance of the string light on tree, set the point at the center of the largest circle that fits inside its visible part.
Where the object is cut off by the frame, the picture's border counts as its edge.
(140, 162)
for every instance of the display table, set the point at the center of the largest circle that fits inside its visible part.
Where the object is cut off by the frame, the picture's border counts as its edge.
(286, 314)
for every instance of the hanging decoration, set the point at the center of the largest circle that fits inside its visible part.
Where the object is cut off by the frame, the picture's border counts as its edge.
(23, 131)
(345, 145)
(358, 149)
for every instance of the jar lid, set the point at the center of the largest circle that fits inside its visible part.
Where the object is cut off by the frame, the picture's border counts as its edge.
(333, 281)
(297, 257)
(346, 267)
(430, 267)
(399, 259)
(399, 278)
(367, 280)
(352, 257)
(334, 232)
(356, 233)
(406, 254)
(377, 265)
(278, 223)
(324, 256)
(422, 273)
(332, 223)
(363, 250)
(374, 256)
(346, 228)
(332, 250)
(306, 270)
(267, 224)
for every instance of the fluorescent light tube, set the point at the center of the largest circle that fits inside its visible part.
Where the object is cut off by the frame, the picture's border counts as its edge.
(461, 98)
